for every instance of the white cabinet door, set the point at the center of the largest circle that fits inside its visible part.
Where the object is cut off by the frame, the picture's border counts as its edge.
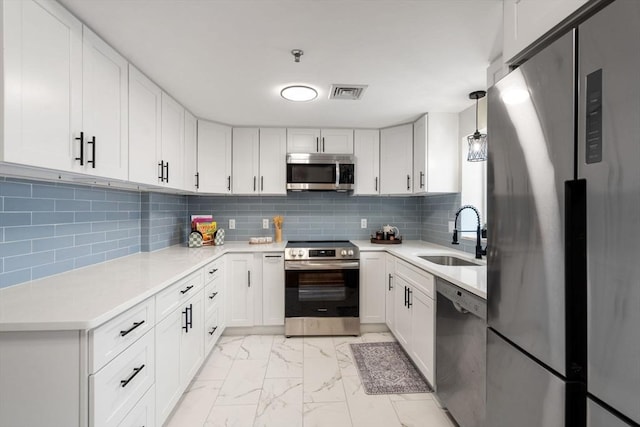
(372, 287)
(168, 390)
(145, 106)
(43, 85)
(420, 156)
(273, 161)
(172, 137)
(214, 157)
(390, 271)
(396, 159)
(366, 148)
(303, 140)
(336, 141)
(191, 178)
(443, 159)
(273, 289)
(423, 333)
(192, 339)
(402, 313)
(246, 152)
(105, 109)
(239, 291)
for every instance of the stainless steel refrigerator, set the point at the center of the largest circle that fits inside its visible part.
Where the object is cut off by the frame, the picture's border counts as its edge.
(563, 338)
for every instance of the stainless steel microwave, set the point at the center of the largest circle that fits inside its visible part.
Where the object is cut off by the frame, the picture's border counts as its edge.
(320, 172)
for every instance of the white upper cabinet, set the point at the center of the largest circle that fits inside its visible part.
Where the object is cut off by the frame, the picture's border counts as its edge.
(172, 148)
(145, 109)
(273, 161)
(330, 141)
(42, 85)
(366, 148)
(65, 97)
(214, 157)
(105, 109)
(435, 154)
(396, 160)
(246, 153)
(525, 21)
(191, 177)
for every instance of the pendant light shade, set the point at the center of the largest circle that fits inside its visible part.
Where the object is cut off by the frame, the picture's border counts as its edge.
(477, 141)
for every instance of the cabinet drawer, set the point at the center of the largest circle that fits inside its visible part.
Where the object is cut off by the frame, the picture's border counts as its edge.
(143, 414)
(213, 330)
(111, 338)
(212, 294)
(213, 270)
(172, 297)
(116, 388)
(416, 277)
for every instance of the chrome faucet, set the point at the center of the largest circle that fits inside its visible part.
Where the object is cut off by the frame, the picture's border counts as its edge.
(479, 232)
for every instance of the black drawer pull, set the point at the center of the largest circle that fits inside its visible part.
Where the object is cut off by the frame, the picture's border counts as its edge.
(136, 371)
(93, 151)
(135, 325)
(213, 295)
(187, 289)
(410, 298)
(212, 331)
(213, 271)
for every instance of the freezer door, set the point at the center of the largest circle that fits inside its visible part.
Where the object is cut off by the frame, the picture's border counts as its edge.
(520, 392)
(609, 160)
(597, 416)
(531, 155)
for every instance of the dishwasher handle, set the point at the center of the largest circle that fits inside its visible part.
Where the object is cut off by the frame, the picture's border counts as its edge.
(459, 308)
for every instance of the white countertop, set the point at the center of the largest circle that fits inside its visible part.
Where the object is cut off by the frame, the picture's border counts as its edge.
(470, 278)
(85, 298)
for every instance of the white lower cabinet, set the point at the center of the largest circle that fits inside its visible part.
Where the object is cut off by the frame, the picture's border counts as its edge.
(241, 295)
(144, 413)
(372, 287)
(390, 271)
(414, 316)
(273, 289)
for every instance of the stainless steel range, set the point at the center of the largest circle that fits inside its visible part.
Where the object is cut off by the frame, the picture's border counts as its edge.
(322, 281)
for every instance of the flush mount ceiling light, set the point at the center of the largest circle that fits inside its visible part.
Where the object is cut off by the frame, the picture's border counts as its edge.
(299, 93)
(477, 141)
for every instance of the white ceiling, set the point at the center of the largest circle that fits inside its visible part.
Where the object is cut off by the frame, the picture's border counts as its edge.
(226, 60)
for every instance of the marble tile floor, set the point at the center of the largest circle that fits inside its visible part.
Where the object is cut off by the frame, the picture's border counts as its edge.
(273, 381)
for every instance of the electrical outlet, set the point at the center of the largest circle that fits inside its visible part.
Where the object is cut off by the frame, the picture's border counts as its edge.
(363, 223)
(265, 223)
(451, 224)
(232, 224)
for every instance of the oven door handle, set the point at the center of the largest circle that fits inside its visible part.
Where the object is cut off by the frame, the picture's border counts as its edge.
(314, 265)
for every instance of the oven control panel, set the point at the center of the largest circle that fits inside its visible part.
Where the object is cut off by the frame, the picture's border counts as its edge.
(321, 253)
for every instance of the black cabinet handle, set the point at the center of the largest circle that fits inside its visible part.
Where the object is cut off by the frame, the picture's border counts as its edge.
(376, 183)
(229, 183)
(136, 371)
(249, 278)
(161, 166)
(317, 144)
(167, 177)
(213, 271)
(262, 183)
(254, 183)
(390, 286)
(128, 331)
(197, 180)
(323, 144)
(409, 298)
(273, 256)
(187, 289)
(81, 139)
(213, 295)
(188, 318)
(421, 179)
(213, 330)
(93, 152)
(408, 182)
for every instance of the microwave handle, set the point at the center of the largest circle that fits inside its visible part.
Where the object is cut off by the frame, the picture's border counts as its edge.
(337, 174)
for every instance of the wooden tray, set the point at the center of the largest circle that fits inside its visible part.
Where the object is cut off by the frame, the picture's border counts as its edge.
(386, 242)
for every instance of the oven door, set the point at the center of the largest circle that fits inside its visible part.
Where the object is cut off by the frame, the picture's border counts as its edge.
(322, 288)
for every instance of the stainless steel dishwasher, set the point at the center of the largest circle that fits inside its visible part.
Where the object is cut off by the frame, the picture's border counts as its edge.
(461, 342)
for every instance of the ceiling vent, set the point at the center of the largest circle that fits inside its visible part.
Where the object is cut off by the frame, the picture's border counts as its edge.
(350, 92)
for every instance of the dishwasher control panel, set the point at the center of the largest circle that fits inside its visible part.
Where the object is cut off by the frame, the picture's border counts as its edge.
(462, 299)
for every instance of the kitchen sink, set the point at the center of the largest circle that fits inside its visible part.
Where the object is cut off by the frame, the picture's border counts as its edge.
(447, 260)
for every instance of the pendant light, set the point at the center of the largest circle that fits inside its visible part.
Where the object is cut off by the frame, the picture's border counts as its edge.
(477, 141)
